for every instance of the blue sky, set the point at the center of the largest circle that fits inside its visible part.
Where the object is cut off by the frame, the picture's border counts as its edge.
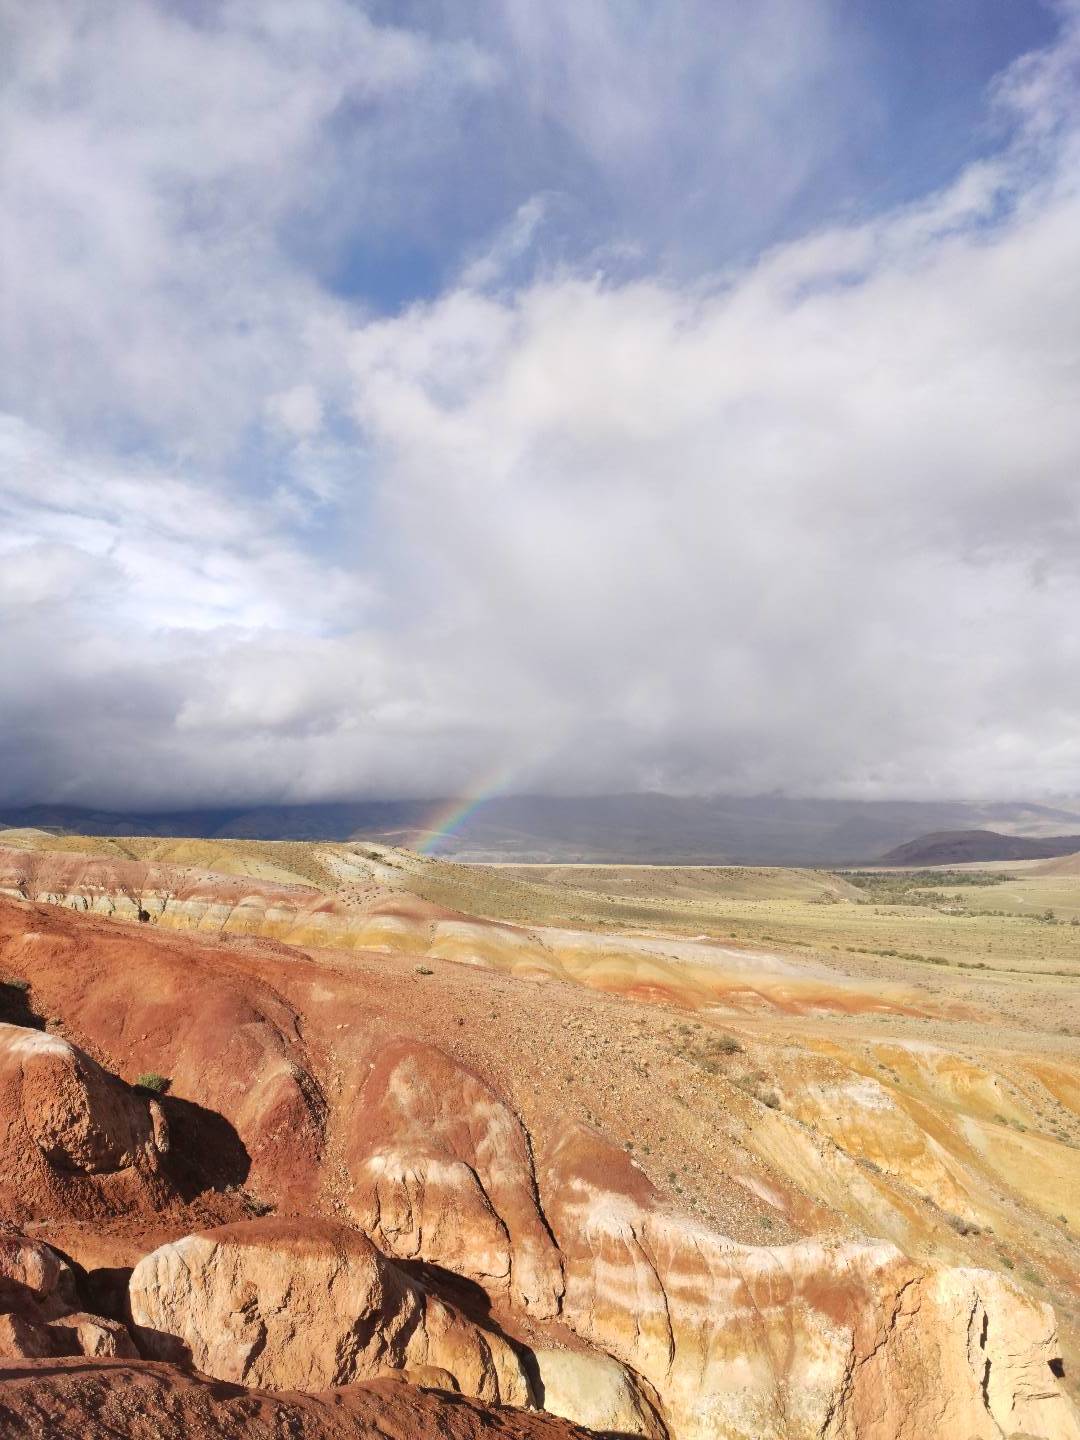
(612, 395)
(893, 102)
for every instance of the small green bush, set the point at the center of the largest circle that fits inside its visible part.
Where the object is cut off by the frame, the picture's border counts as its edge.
(153, 1081)
(424, 970)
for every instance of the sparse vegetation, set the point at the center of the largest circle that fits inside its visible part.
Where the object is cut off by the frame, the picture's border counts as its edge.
(960, 1224)
(706, 1048)
(151, 1080)
(921, 879)
(921, 887)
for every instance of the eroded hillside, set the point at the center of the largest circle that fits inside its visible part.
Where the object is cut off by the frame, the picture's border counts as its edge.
(697, 1152)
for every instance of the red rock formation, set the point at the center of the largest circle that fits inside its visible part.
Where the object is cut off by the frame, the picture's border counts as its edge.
(73, 1139)
(837, 1339)
(442, 1171)
(225, 1040)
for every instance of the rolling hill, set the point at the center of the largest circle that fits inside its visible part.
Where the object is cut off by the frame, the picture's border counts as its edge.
(959, 847)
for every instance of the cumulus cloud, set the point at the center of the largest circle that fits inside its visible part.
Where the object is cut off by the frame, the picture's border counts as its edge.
(156, 158)
(805, 521)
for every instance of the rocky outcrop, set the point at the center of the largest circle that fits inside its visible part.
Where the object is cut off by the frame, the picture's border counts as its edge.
(73, 1138)
(307, 1305)
(955, 1352)
(39, 1314)
(442, 1171)
(28, 1267)
(811, 1341)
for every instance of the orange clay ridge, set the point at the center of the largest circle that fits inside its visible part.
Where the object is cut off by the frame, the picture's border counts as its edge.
(338, 1141)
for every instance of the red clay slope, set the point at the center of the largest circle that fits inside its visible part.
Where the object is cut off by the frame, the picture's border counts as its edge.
(105, 1400)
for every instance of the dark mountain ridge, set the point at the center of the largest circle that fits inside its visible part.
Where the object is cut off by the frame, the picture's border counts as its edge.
(651, 828)
(960, 847)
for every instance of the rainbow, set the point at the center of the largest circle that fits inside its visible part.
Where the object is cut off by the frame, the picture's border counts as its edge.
(449, 814)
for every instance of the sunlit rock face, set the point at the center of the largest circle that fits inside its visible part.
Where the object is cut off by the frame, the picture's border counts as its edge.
(442, 1171)
(303, 1305)
(815, 1339)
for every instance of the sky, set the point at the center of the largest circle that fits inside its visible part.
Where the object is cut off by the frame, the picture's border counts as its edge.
(416, 398)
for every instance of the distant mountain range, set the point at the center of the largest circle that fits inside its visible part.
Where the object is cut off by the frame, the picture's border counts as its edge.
(958, 847)
(754, 830)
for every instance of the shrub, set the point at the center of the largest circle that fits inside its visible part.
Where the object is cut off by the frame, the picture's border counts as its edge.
(424, 970)
(728, 1045)
(153, 1081)
(960, 1225)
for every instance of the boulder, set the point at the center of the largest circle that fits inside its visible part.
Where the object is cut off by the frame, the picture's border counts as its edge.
(28, 1267)
(305, 1305)
(73, 1138)
(38, 1309)
(596, 1391)
(24, 1337)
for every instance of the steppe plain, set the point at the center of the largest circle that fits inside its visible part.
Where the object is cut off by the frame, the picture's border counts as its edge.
(710, 1151)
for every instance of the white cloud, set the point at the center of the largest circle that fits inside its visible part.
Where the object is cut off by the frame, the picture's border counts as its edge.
(811, 522)
(178, 554)
(155, 160)
(299, 410)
